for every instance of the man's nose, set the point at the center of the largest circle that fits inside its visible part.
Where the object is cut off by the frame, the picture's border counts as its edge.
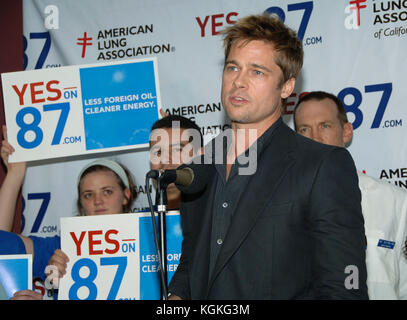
(316, 136)
(240, 79)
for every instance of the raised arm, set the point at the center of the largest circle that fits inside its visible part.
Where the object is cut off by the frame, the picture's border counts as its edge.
(11, 185)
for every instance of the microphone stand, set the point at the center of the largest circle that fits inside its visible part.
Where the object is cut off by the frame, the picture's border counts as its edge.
(161, 202)
(164, 294)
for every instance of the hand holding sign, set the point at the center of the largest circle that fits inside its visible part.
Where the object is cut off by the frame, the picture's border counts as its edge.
(56, 268)
(26, 295)
(6, 150)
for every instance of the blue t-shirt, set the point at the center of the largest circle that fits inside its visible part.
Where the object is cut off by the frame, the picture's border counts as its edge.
(44, 248)
(11, 243)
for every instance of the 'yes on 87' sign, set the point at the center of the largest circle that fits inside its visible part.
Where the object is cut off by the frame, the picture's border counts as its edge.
(104, 253)
(64, 111)
(41, 111)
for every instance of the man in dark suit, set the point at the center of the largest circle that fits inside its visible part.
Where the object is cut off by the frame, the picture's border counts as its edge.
(292, 228)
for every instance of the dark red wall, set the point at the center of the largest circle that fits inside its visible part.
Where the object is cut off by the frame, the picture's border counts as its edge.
(11, 59)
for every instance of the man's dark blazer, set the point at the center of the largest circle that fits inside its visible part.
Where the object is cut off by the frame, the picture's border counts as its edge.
(297, 233)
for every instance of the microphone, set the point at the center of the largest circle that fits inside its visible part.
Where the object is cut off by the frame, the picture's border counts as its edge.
(199, 180)
(188, 178)
(182, 176)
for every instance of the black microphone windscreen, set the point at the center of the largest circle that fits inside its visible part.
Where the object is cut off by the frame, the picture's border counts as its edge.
(199, 181)
(185, 176)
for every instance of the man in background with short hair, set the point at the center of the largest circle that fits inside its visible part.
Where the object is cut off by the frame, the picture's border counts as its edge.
(321, 116)
(174, 140)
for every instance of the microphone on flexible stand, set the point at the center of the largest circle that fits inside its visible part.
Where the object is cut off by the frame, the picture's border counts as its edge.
(190, 179)
(183, 176)
(193, 178)
(159, 239)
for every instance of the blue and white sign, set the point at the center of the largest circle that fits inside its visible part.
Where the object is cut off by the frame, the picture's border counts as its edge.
(149, 266)
(109, 259)
(15, 274)
(82, 109)
(104, 257)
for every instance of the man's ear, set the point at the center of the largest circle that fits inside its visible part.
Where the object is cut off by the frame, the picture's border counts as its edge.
(288, 88)
(163, 114)
(347, 132)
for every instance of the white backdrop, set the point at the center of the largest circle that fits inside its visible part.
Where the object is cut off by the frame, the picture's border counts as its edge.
(361, 59)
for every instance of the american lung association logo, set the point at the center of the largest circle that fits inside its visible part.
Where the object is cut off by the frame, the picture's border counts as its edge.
(83, 42)
(388, 16)
(352, 12)
(117, 43)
